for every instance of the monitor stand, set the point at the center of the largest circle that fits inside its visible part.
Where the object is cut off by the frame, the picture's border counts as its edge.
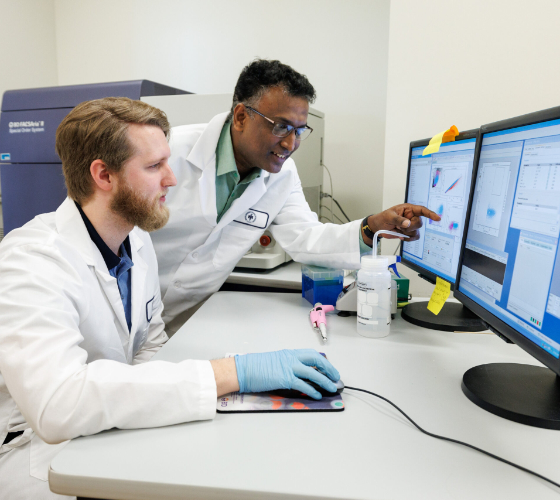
(453, 317)
(523, 393)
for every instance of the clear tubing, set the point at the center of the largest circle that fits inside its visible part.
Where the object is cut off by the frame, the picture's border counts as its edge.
(383, 231)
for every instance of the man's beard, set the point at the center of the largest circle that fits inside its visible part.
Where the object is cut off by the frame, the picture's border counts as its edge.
(138, 210)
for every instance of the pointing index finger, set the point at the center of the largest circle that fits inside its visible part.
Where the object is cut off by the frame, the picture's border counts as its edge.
(416, 210)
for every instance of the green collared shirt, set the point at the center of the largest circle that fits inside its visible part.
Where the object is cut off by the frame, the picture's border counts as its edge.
(228, 185)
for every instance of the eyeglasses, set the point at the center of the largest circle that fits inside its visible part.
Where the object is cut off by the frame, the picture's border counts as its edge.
(283, 129)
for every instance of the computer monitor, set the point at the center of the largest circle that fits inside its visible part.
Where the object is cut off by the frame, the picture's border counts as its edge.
(509, 272)
(442, 182)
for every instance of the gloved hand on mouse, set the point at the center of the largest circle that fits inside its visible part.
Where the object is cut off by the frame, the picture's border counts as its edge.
(284, 369)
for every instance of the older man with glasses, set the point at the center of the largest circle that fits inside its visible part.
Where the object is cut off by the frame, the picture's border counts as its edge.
(236, 179)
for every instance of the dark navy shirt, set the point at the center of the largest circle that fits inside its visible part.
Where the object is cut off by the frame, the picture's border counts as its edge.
(119, 267)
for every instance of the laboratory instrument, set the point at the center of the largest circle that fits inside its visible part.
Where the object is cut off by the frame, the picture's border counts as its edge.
(30, 169)
(318, 318)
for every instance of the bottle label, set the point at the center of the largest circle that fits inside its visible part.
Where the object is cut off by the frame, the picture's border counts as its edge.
(371, 307)
(363, 286)
(364, 321)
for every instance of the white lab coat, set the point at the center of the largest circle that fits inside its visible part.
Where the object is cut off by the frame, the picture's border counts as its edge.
(196, 254)
(68, 364)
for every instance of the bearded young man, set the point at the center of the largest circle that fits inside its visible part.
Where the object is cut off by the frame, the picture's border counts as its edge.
(80, 306)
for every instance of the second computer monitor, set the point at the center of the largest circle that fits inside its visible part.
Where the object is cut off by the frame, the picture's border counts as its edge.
(510, 266)
(442, 182)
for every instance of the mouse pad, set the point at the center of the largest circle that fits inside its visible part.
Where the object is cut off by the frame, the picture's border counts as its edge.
(282, 400)
(276, 401)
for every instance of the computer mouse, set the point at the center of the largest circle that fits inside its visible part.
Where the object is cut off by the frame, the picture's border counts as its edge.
(293, 393)
(324, 392)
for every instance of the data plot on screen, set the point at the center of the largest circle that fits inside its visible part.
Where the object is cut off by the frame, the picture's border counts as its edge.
(437, 204)
(438, 251)
(436, 177)
(453, 219)
(493, 180)
(537, 202)
(448, 179)
(447, 196)
(529, 292)
(451, 214)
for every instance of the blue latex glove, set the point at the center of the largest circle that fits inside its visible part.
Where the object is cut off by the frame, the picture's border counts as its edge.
(268, 371)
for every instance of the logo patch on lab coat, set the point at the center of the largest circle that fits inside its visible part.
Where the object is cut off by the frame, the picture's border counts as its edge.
(254, 218)
(150, 309)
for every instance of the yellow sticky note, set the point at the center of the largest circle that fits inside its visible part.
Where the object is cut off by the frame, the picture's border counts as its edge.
(436, 141)
(439, 296)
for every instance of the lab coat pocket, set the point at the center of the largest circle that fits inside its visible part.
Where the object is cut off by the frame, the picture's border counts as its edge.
(234, 243)
(41, 456)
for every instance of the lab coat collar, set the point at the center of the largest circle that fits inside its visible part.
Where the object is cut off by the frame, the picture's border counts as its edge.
(111, 259)
(203, 153)
(203, 156)
(71, 227)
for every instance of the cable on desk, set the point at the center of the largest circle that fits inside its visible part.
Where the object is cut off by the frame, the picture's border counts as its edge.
(437, 436)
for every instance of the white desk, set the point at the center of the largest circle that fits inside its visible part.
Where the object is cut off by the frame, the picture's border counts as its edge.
(367, 451)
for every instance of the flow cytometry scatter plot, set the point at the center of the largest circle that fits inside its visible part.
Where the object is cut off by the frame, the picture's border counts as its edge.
(454, 218)
(447, 196)
(436, 206)
(449, 181)
(451, 215)
(435, 177)
(492, 186)
(454, 184)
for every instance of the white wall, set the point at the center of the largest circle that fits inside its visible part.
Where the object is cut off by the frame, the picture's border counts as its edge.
(467, 64)
(27, 48)
(27, 44)
(202, 46)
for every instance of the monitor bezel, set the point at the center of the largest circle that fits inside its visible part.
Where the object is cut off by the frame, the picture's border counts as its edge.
(428, 275)
(494, 323)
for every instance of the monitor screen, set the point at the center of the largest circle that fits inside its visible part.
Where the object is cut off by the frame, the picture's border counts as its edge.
(510, 266)
(441, 182)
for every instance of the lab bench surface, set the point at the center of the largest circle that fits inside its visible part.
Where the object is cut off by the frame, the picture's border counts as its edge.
(367, 451)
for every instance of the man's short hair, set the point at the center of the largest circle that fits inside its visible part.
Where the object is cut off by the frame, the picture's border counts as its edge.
(261, 75)
(97, 130)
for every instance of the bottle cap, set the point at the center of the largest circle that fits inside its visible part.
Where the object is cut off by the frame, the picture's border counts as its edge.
(370, 263)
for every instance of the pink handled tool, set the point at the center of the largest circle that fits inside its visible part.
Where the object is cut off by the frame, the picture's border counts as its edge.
(318, 318)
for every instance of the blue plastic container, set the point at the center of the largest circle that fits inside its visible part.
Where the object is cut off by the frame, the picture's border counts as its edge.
(321, 284)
